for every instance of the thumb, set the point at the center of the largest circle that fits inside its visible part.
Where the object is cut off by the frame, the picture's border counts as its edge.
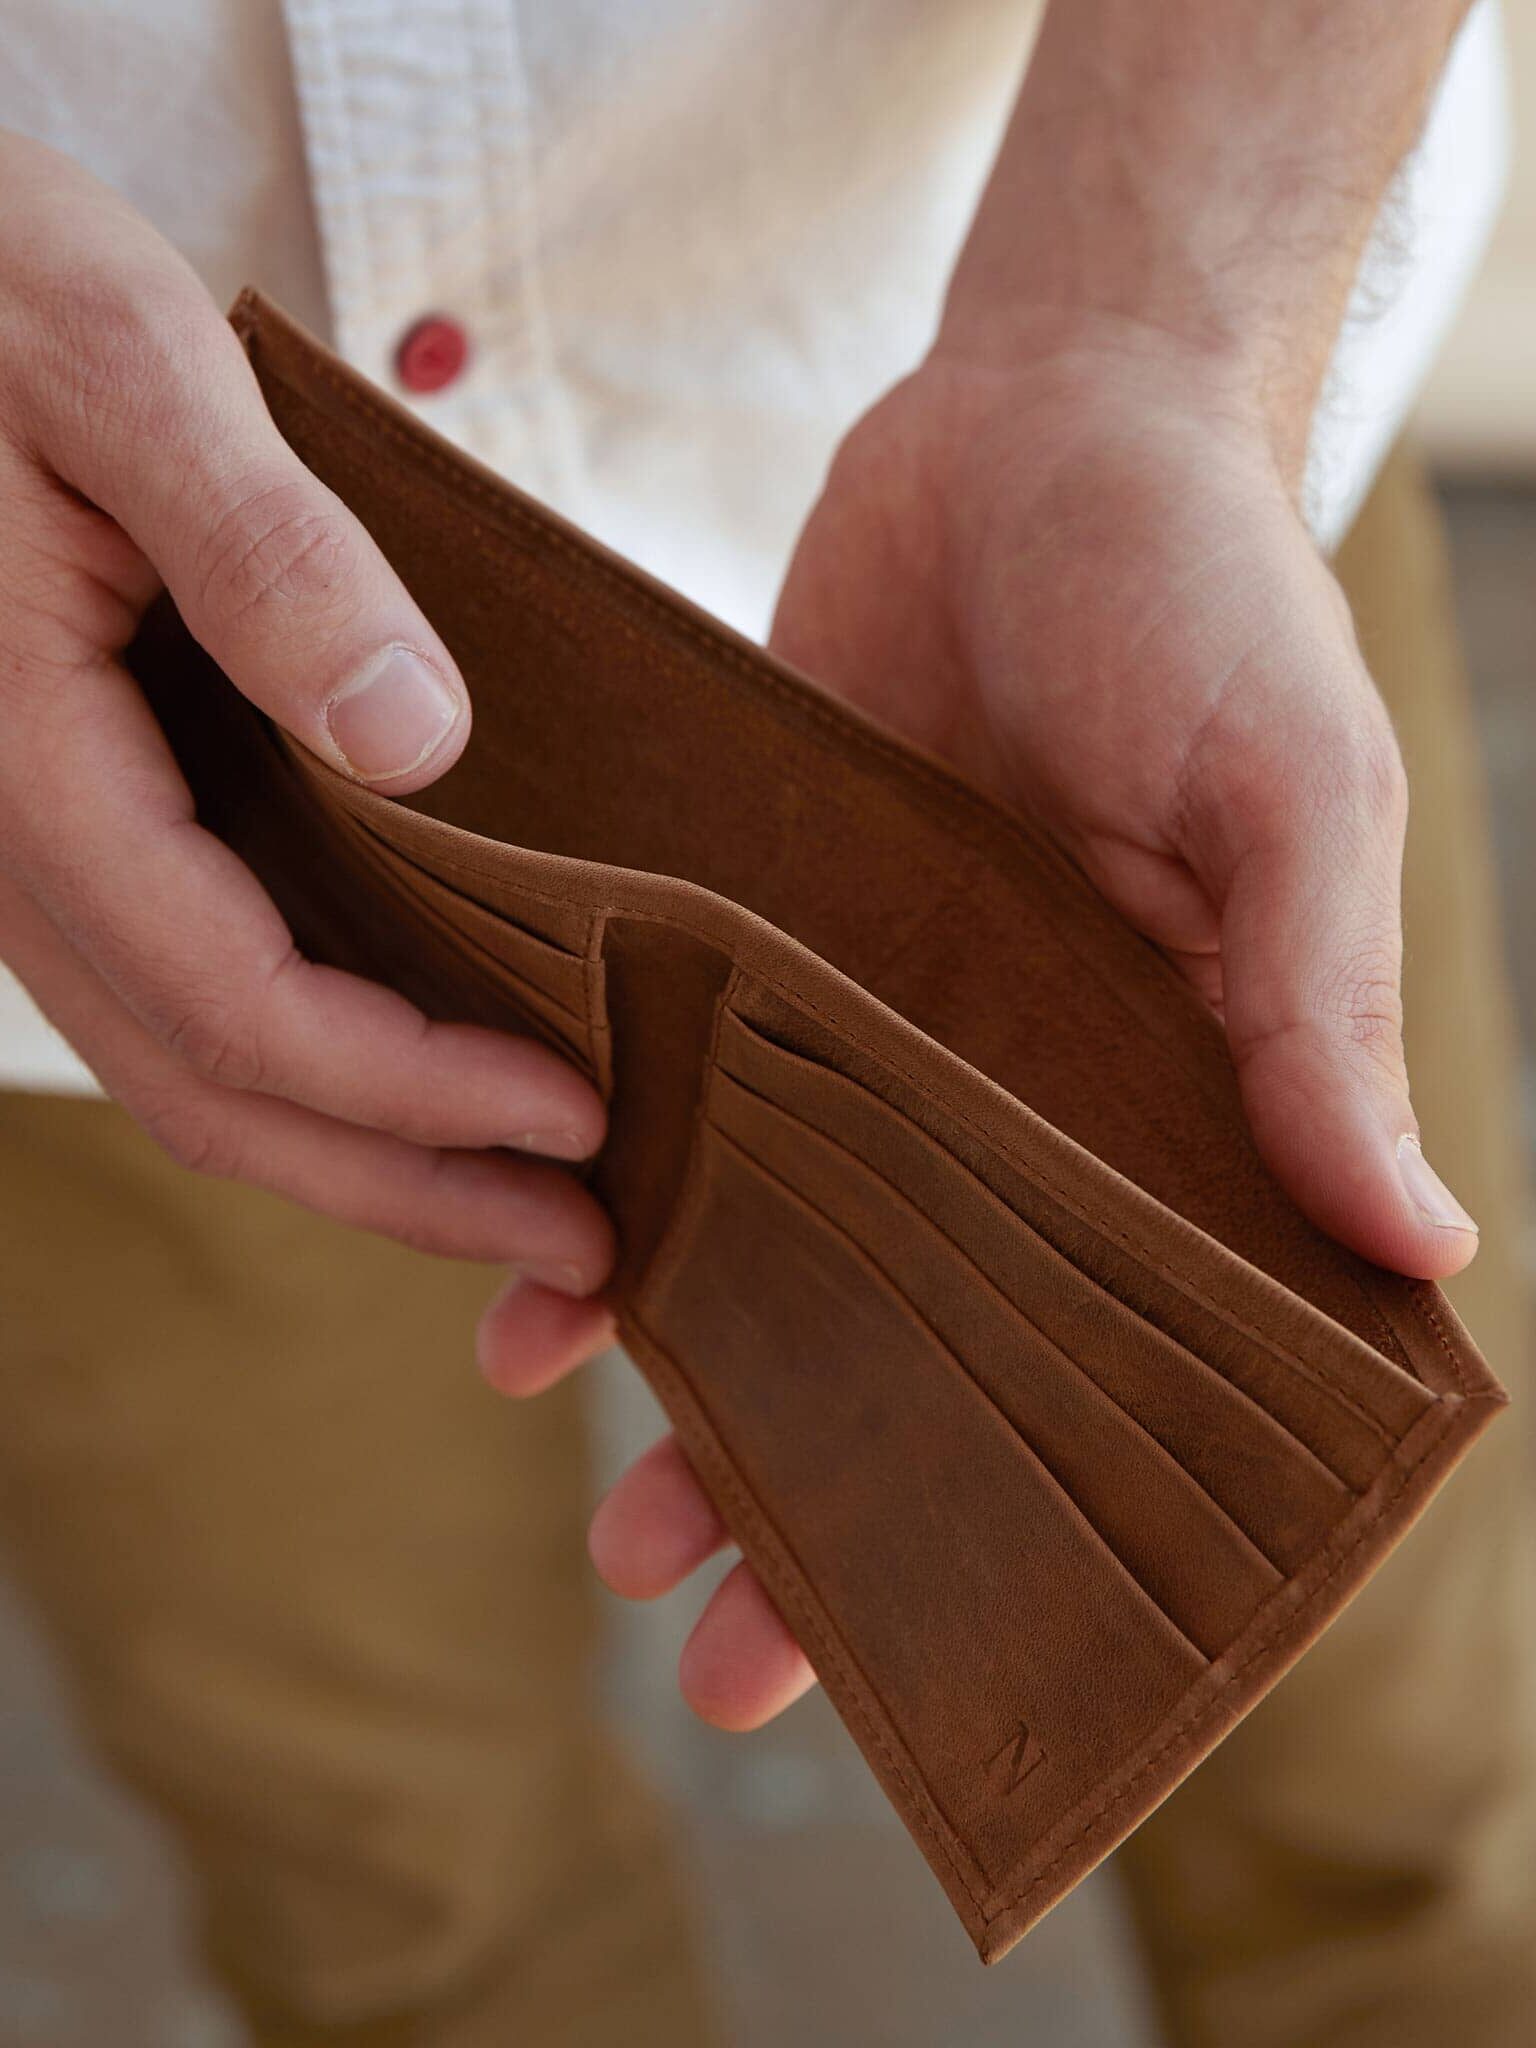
(272, 574)
(1311, 973)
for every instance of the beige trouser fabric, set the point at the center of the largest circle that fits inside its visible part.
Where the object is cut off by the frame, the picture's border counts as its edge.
(324, 1600)
(1356, 1866)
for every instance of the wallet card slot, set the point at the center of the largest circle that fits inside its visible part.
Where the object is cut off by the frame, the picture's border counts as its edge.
(1177, 1542)
(563, 977)
(1346, 1402)
(933, 1536)
(1258, 1454)
(550, 1019)
(561, 993)
(498, 953)
(489, 877)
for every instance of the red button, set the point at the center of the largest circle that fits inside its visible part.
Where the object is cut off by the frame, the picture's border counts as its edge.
(431, 354)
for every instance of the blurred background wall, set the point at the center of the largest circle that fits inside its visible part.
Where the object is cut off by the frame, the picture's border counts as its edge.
(1478, 415)
(1477, 422)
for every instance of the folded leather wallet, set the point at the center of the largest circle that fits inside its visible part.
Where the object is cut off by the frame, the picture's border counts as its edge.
(1053, 1428)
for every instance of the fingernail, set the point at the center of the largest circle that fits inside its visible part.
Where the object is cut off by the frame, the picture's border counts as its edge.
(392, 715)
(1427, 1191)
(563, 1275)
(553, 1144)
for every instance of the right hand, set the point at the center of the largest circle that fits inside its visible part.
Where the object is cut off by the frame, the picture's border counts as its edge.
(135, 451)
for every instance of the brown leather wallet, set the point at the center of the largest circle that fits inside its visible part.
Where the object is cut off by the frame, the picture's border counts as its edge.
(1053, 1427)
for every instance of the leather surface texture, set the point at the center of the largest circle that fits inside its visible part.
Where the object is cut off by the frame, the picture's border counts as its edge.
(1054, 1429)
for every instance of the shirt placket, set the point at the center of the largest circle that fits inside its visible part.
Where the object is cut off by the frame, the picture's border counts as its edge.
(418, 134)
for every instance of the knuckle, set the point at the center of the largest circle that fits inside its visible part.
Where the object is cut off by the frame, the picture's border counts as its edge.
(191, 1132)
(1380, 775)
(56, 619)
(1366, 1004)
(1363, 773)
(276, 547)
(123, 343)
(217, 1044)
(33, 674)
(1372, 1010)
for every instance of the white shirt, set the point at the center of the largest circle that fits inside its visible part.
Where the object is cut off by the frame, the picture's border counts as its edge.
(689, 240)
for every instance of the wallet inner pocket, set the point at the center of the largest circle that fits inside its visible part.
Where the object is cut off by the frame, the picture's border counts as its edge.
(563, 978)
(913, 1507)
(1172, 1536)
(1281, 1453)
(559, 993)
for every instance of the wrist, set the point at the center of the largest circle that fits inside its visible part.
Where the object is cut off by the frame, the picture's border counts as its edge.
(1083, 354)
(1201, 178)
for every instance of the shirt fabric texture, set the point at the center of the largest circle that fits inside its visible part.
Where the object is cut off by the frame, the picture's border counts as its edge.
(689, 241)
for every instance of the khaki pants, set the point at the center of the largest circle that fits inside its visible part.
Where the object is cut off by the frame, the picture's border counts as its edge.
(324, 1600)
(1356, 1866)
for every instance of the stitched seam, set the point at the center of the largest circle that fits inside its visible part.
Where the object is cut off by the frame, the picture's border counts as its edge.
(807, 703)
(355, 197)
(562, 437)
(1428, 1310)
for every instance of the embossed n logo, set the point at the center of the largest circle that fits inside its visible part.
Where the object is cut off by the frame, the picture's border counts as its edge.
(1012, 1761)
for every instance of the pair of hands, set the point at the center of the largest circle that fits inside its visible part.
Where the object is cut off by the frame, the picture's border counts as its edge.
(1080, 575)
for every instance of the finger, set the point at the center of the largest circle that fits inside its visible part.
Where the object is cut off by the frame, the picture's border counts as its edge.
(655, 1526)
(1311, 967)
(533, 1334)
(463, 1205)
(741, 1665)
(100, 825)
(273, 575)
(470, 1205)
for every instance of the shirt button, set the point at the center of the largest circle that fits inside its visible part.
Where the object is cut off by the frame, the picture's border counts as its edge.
(431, 353)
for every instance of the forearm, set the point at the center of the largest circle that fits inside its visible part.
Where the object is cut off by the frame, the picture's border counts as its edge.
(1201, 172)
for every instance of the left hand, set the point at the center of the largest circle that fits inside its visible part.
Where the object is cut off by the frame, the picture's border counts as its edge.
(1085, 582)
